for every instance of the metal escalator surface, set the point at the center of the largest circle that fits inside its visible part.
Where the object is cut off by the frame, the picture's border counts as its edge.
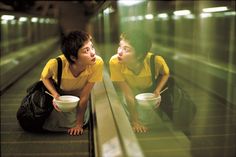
(17, 142)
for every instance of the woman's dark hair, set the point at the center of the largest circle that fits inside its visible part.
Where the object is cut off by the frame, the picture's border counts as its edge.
(139, 40)
(72, 42)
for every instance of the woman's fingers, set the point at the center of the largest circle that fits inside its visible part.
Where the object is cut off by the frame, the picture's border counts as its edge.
(55, 106)
(139, 128)
(76, 131)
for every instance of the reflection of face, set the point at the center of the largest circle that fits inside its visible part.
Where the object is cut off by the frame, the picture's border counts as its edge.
(125, 52)
(86, 54)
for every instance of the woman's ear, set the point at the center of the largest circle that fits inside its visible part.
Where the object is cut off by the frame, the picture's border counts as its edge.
(73, 58)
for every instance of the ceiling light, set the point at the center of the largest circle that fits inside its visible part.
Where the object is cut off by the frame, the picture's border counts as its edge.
(130, 2)
(215, 9)
(182, 12)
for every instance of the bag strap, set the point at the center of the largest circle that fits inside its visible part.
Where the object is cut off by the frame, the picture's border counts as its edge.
(59, 71)
(152, 66)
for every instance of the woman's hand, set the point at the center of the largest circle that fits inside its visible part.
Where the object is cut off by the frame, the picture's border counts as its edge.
(77, 130)
(157, 93)
(56, 107)
(56, 96)
(138, 127)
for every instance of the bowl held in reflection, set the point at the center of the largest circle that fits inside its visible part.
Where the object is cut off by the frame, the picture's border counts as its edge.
(148, 99)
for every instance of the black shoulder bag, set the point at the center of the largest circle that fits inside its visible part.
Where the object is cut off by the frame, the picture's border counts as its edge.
(175, 102)
(167, 97)
(36, 106)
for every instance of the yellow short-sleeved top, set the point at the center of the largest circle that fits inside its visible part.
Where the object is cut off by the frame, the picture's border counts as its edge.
(141, 81)
(92, 73)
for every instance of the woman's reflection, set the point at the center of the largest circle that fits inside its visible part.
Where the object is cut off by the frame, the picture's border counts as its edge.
(131, 73)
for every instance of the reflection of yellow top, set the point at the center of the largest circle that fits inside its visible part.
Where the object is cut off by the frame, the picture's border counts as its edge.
(92, 73)
(141, 81)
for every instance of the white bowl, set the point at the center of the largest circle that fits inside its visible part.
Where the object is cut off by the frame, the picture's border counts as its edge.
(67, 103)
(148, 99)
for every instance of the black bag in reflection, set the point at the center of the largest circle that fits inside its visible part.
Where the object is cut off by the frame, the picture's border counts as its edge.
(177, 104)
(37, 105)
(175, 101)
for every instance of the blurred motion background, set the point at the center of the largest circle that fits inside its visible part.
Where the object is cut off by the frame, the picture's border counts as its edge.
(199, 44)
(196, 38)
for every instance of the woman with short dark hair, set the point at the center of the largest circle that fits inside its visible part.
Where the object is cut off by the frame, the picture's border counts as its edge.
(81, 68)
(131, 71)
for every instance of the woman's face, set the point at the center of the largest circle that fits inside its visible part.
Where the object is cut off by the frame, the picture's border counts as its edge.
(125, 52)
(86, 54)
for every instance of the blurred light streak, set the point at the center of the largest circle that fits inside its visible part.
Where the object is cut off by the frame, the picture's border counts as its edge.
(149, 16)
(182, 12)
(130, 2)
(7, 17)
(205, 15)
(23, 19)
(214, 9)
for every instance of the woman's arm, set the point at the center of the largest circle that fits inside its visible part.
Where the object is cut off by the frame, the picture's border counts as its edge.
(129, 96)
(161, 83)
(164, 74)
(49, 85)
(84, 96)
(132, 108)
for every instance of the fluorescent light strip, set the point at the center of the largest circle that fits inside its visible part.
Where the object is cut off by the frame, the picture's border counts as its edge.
(23, 19)
(149, 16)
(34, 19)
(190, 16)
(214, 9)
(7, 17)
(182, 12)
(231, 13)
(139, 17)
(130, 2)
(162, 15)
(205, 15)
